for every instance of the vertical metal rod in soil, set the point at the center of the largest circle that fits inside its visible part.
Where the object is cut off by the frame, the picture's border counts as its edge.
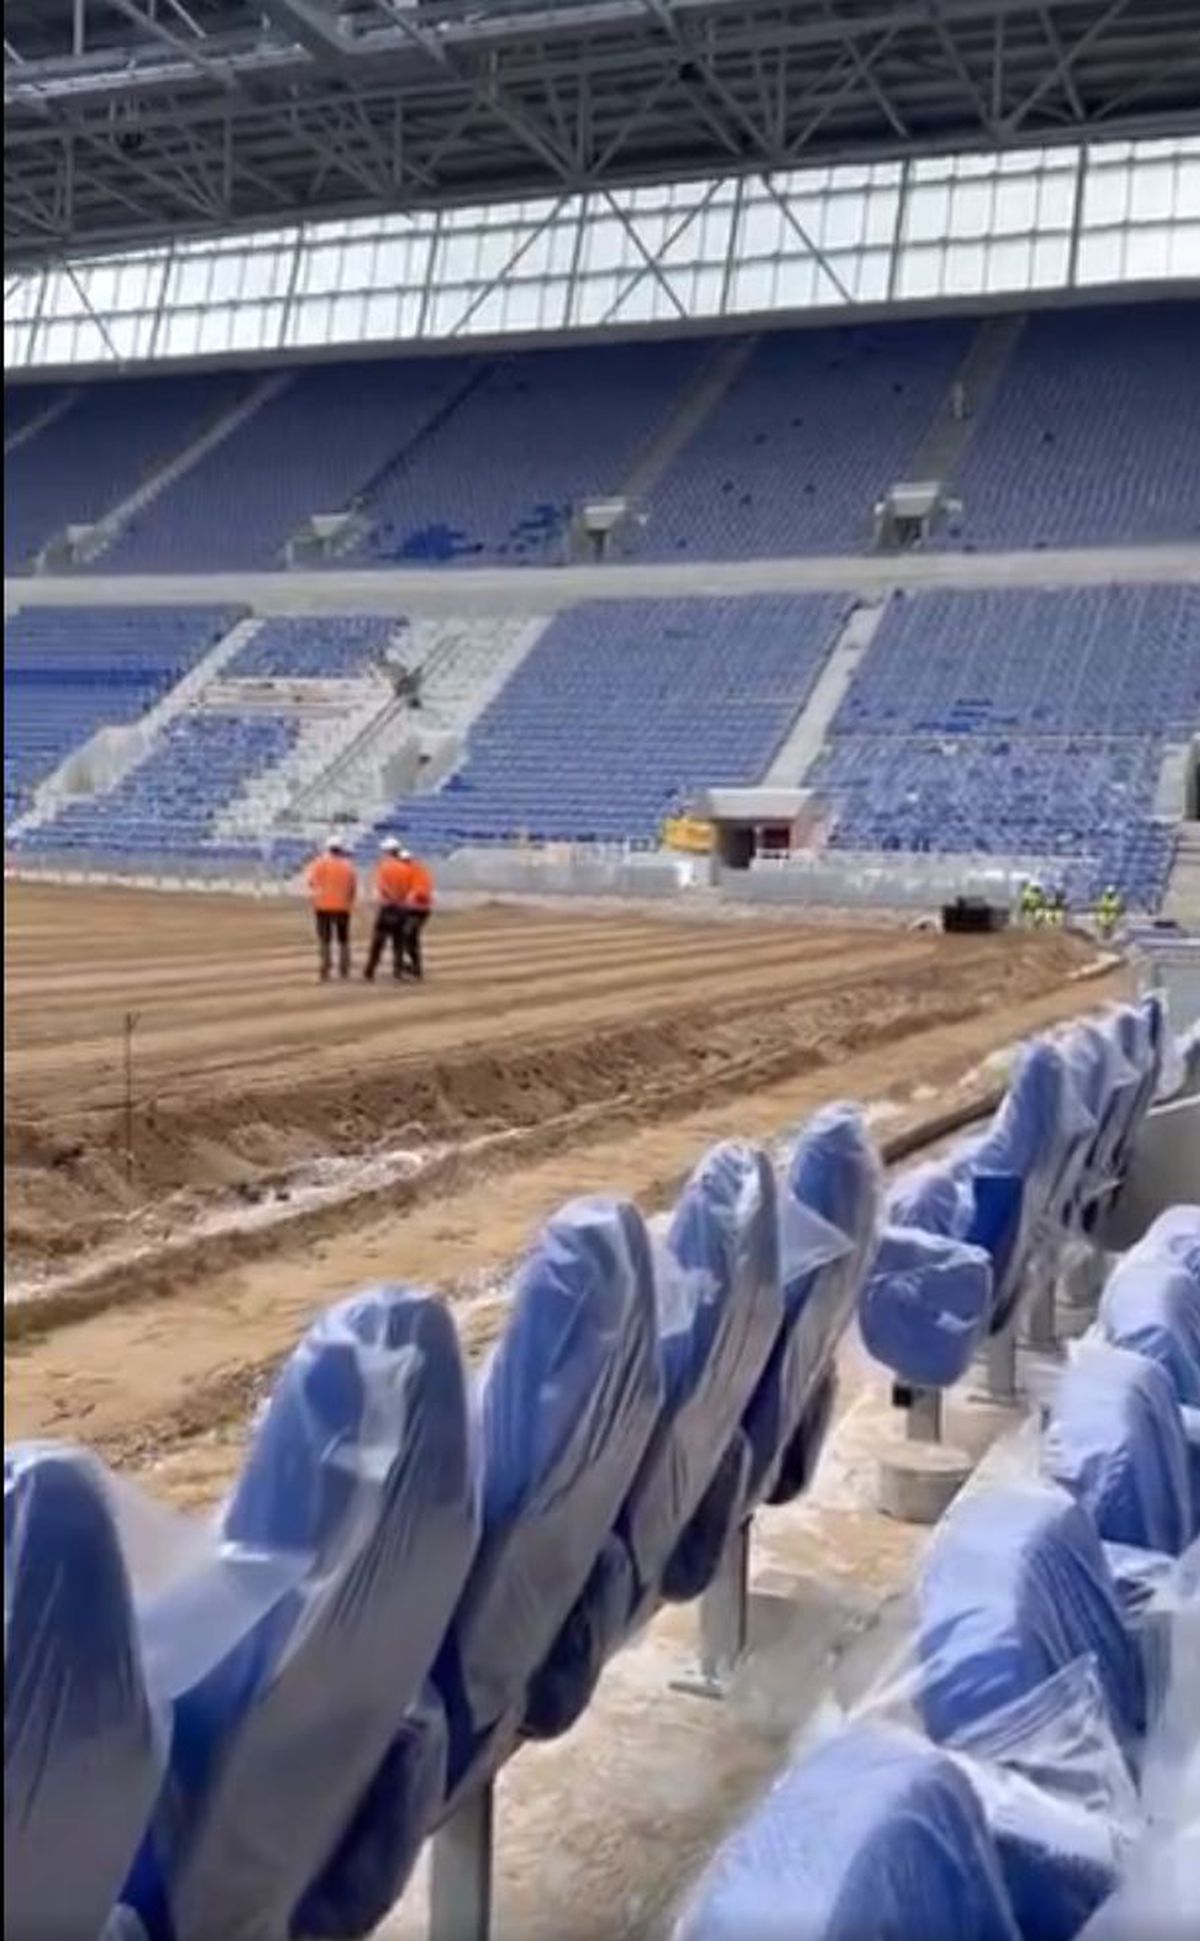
(130, 1022)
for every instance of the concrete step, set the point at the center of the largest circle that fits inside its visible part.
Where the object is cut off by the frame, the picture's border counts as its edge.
(699, 401)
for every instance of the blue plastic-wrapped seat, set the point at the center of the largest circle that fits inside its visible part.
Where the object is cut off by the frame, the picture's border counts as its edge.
(926, 1305)
(718, 1314)
(1175, 1236)
(1153, 1307)
(1015, 1588)
(828, 1210)
(363, 1471)
(84, 1745)
(1115, 1439)
(567, 1407)
(875, 1833)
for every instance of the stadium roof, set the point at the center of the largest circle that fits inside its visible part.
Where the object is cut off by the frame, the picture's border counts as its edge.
(131, 122)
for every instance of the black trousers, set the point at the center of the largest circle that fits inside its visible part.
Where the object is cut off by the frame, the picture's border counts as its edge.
(417, 919)
(334, 925)
(391, 923)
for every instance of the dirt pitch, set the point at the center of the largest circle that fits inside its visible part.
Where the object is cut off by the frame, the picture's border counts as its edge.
(290, 1141)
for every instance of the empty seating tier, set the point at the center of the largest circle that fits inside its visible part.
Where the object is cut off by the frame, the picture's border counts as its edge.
(624, 706)
(71, 670)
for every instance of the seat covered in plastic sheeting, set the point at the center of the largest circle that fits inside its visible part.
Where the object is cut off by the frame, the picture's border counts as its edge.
(1140, 1034)
(828, 1214)
(1115, 1440)
(363, 1465)
(1015, 1588)
(718, 1316)
(1175, 1235)
(84, 1745)
(1108, 1083)
(1015, 1169)
(1058, 1861)
(1153, 1306)
(926, 1305)
(873, 1833)
(567, 1407)
(1160, 1898)
(724, 1232)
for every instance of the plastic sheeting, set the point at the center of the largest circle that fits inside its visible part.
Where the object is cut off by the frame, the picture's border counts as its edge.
(1175, 1235)
(566, 1407)
(1115, 1440)
(1152, 1306)
(874, 1833)
(84, 1746)
(719, 1314)
(1160, 1899)
(1014, 1589)
(1017, 1169)
(828, 1212)
(363, 1466)
(926, 1305)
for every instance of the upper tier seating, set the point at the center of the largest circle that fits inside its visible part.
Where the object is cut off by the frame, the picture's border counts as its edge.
(532, 438)
(1020, 723)
(322, 647)
(1092, 436)
(312, 448)
(168, 803)
(111, 440)
(71, 670)
(815, 429)
(25, 402)
(621, 708)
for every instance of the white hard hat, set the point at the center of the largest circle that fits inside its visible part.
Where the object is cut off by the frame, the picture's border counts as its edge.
(406, 855)
(335, 845)
(389, 845)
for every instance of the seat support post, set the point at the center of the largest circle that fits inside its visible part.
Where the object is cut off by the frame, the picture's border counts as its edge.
(460, 1883)
(724, 1622)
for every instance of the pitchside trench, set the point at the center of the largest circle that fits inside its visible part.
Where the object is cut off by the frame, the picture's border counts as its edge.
(163, 1260)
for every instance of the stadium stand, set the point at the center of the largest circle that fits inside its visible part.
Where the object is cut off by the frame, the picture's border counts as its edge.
(816, 427)
(107, 444)
(24, 404)
(313, 448)
(71, 670)
(469, 493)
(623, 706)
(168, 804)
(1027, 723)
(1093, 435)
(378, 1486)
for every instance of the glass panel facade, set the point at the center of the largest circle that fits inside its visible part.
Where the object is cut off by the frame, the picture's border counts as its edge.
(948, 226)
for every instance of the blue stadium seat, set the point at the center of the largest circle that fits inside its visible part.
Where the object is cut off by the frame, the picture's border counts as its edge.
(926, 1305)
(1115, 1439)
(1014, 1589)
(828, 1209)
(1175, 1236)
(719, 1314)
(362, 1471)
(84, 1746)
(567, 1407)
(1152, 1306)
(874, 1833)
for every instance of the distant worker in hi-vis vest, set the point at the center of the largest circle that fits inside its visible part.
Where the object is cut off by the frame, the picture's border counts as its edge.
(333, 890)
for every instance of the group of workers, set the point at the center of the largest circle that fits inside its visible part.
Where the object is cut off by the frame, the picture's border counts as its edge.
(403, 894)
(1041, 908)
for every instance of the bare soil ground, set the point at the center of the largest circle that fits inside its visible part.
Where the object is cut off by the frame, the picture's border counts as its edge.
(549, 1053)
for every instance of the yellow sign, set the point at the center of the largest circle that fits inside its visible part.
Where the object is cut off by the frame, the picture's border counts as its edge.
(689, 833)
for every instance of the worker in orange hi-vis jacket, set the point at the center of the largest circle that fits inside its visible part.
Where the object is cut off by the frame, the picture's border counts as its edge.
(392, 889)
(420, 908)
(333, 888)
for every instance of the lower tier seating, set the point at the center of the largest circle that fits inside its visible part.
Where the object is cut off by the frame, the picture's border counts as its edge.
(416, 1567)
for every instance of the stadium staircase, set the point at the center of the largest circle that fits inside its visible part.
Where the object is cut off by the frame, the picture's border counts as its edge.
(719, 372)
(56, 408)
(807, 735)
(978, 379)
